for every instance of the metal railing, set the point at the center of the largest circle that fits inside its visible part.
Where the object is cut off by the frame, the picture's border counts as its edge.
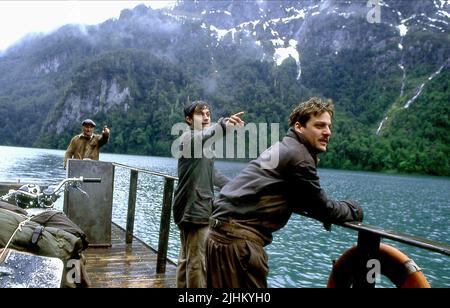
(368, 244)
(369, 237)
(166, 209)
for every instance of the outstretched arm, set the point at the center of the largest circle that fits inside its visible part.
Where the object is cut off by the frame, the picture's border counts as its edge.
(314, 202)
(105, 136)
(223, 124)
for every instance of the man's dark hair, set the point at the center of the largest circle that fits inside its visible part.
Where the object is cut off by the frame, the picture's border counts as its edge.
(314, 106)
(195, 106)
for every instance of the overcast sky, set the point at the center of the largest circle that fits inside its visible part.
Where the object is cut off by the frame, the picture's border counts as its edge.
(17, 18)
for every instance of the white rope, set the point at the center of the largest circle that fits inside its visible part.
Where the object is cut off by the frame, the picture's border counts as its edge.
(19, 228)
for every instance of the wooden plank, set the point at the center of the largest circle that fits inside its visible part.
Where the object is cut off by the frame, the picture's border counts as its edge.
(126, 265)
(132, 193)
(164, 228)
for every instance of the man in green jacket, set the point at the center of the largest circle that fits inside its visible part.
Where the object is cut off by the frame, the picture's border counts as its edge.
(87, 144)
(195, 191)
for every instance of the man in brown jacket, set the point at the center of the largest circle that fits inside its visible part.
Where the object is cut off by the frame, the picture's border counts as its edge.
(261, 199)
(87, 144)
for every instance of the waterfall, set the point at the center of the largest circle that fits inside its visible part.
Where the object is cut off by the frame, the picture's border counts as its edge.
(419, 91)
(299, 65)
(381, 125)
(402, 89)
(402, 67)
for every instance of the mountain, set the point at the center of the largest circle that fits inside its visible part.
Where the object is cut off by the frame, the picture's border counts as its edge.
(385, 64)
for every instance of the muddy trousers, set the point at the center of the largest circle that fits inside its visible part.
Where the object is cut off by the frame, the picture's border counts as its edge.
(235, 262)
(191, 269)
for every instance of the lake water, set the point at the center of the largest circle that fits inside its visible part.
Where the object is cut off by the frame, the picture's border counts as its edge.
(301, 253)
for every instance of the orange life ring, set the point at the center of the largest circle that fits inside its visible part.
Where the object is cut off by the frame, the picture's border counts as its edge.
(394, 264)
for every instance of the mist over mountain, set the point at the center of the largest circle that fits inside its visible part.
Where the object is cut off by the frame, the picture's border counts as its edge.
(385, 64)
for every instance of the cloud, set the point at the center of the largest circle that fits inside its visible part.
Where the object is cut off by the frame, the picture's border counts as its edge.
(19, 18)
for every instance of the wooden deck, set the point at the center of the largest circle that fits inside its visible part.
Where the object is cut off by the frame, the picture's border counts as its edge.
(126, 265)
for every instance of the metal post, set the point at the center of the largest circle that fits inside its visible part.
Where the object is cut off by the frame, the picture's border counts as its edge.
(131, 206)
(368, 248)
(164, 226)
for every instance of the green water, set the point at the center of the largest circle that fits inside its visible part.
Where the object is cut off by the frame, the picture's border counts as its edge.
(302, 252)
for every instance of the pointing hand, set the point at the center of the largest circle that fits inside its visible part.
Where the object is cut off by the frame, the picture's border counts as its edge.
(235, 120)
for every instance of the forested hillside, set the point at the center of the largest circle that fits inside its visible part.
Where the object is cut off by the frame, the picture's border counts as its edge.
(389, 79)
